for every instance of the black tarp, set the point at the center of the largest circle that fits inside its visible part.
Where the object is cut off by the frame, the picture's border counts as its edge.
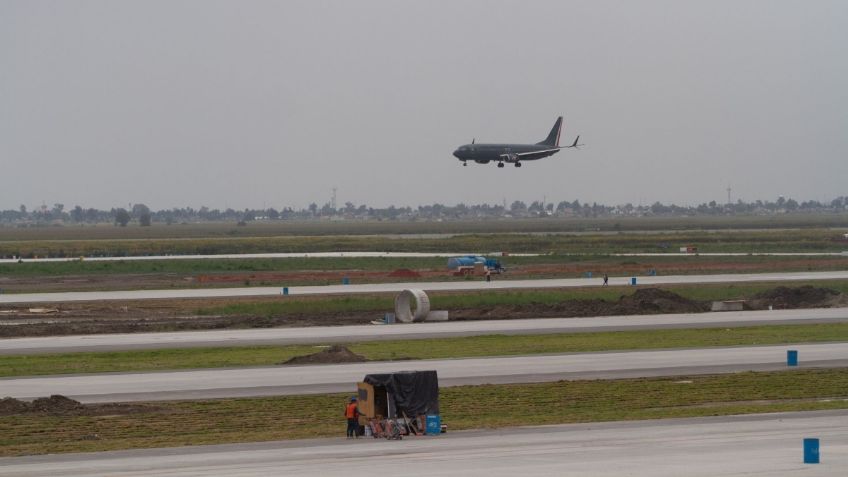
(413, 392)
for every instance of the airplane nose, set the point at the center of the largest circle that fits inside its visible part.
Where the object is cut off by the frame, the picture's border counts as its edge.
(456, 154)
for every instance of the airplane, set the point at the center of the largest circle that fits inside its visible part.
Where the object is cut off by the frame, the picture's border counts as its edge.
(513, 153)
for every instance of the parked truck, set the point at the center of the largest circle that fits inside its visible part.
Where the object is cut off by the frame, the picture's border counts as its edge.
(469, 264)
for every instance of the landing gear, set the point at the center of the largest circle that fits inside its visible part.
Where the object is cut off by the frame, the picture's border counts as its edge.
(464, 163)
(500, 164)
(517, 164)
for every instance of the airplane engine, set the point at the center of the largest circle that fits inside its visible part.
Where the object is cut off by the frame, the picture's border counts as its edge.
(481, 161)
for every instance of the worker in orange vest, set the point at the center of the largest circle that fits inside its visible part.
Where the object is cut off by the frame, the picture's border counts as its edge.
(352, 415)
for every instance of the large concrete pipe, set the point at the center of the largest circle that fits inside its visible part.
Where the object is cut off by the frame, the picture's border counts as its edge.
(404, 311)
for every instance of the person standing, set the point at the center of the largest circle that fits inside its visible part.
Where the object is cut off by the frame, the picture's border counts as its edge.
(352, 415)
(606, 280)
(488, 275)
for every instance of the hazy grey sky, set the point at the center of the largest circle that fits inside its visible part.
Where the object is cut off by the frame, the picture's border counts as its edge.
(244, 103)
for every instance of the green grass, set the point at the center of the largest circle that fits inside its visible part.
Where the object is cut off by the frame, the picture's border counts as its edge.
(466, 407)
(441, 348)
(646, 398)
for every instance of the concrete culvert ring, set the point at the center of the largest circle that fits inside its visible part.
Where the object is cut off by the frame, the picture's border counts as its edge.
(412, 306)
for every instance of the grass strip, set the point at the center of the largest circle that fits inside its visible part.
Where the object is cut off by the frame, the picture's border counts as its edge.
(466, 300)
(513, 236)
(91, 267)
(466, 407)
(294, 228)
(437, 348)
(673, 264)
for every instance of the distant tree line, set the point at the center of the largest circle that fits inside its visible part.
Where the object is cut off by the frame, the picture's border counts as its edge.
(141, 215)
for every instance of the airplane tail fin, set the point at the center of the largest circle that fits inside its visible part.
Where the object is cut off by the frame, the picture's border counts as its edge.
(553, 137)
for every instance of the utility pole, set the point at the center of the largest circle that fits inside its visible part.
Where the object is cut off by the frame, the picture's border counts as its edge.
(333, 199)
(728, 194)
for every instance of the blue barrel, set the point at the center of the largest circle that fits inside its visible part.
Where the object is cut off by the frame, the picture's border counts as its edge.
(434, 425)
(792, 357)
(285, 290)
(633, 281)
(811, 450)
(345, 281)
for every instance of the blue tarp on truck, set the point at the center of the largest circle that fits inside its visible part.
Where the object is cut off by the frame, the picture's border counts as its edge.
(470, 260)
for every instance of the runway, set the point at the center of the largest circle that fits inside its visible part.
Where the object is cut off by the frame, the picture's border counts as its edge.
(464, 285)
(745, 445)
(316, 379)
(347, 334)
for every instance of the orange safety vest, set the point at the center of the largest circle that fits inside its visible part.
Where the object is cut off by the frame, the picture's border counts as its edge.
(351, 411)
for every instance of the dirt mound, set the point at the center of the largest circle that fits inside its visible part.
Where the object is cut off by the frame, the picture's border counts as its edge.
(405, 273)
(644, 301)
(333, 354)
(56, 404)
(62, 406)
(806, 296)
(10, 406)
(656, 300)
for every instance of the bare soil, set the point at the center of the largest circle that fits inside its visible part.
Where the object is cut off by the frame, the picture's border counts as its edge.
(134, 316)
(806, 296)
(405, 273)
(58, 405)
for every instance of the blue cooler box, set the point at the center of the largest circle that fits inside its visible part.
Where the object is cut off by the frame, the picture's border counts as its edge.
(434, 425)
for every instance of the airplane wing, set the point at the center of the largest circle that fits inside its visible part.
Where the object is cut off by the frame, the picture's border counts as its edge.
(535, 154)
(545, 152)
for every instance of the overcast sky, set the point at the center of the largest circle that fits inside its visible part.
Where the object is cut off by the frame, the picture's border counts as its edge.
(273, 103)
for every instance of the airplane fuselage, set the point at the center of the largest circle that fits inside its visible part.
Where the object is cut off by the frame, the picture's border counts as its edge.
(512, 153)
(485, 153)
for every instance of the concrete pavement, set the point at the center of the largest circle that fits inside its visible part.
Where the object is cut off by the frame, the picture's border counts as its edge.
(337, 334)
(746, 445)
(314, 379)
(463, 285)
